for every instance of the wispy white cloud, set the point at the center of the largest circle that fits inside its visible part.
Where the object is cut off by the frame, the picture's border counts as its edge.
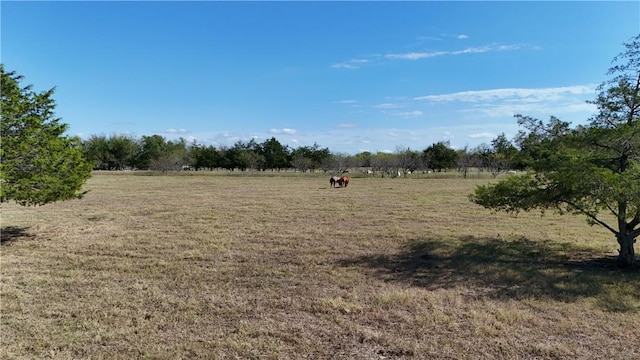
(473, 50)
(506, 102)
(527, 94)
(416, 55)
(509, 109)
(442, 36)
(176, 131)
(481, 135)
(414, 113)
(508, 47)
(345, 102)
(351, 64)
(430, 38)
(283, 131)
(470, 50)
(343, 66)
(387, 106)
(346, 125)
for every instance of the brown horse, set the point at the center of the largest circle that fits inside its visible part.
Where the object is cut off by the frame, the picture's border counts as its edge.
(334, 180)
(344, 180)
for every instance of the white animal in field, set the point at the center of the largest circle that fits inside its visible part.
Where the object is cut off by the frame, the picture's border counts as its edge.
(512, 172)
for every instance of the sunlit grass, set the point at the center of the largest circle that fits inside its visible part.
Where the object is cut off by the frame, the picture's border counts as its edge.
(285, 267)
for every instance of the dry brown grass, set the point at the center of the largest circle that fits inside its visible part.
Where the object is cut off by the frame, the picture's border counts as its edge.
(268, 267)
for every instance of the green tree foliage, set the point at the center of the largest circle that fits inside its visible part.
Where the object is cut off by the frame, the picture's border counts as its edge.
(151, 148)
(39, 164)
(440, 156)
(363, 159)
(206, 157)
(276, 155)
(529, 142)
(311, 158)
(244, 157)
(592, 170)
(168, 155)
(96, 150)
(501, 156)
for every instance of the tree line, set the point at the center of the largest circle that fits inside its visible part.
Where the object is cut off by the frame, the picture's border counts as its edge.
(154, 152)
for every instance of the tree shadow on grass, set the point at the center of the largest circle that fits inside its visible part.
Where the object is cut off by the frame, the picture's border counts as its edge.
(10, 234)
(515, 269)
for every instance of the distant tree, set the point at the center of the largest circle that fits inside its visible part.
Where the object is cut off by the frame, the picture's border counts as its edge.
(275, 154)
(384, 163)
(465, 161)
(363, 159)
(407, 159)
(228, 157)
(96, 150)
(172, 156)
(300, 162)
(529, 142)
(205, 157)
(151, 149)
(248, 159)
(501, 155)
(587, 170)
(315, 153)
(122, 150)
(38, 163)
(483, 154)
(440, 156)
(341, 162)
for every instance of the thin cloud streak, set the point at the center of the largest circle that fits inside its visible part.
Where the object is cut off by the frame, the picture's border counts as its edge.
(416, 56)
(283, 131)
(387, 106)
(357, 63)
(470, 50)
(487, 135)
(351, 64)
(505, 110)
(414, 113)
(345, 102)
(532, 95)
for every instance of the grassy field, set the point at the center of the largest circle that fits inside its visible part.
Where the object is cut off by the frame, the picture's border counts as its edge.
(270, 267)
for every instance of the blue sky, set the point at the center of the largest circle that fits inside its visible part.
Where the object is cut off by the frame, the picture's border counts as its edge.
(350, 76)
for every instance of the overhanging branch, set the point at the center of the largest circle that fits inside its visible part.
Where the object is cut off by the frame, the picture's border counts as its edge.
(592, 217)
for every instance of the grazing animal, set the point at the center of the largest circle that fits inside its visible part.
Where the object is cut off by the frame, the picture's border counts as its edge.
(334, 180)
(344, 180)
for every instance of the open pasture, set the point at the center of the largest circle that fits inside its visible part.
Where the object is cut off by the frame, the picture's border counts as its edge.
(284, 267)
